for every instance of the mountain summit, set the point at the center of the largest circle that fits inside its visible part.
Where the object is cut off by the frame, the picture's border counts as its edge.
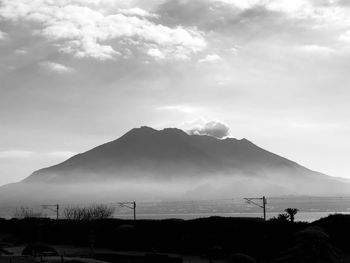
(153, 164)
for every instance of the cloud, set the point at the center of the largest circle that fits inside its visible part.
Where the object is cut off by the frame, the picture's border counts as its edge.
(295, 7)
(56, 67)
(156, 53)
(316, 49)
(25, 154)
(345, 37)
(62, 154)
(178, 108)
(92, 30)
(137, 12)
(246, 22)
(16, 154)
(21, 52)
(211, 58)
(212, 128)
(3, 35)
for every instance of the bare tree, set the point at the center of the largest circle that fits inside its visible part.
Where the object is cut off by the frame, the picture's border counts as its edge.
(26, 212)
(88, 212)
(291, 213)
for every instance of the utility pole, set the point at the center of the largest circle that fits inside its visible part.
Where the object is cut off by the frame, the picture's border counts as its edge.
(134, 210)
(130, 205)
(57, 211)
(54, 208)
(263, 205)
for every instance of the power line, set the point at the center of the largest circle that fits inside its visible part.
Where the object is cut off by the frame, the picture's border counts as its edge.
(54, 208)
(263, 205)
(129, 205)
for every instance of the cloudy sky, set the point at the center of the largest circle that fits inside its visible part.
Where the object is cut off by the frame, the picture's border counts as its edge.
(77, 73)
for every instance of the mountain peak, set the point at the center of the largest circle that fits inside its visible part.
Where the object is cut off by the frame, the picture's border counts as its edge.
(146, 130)
(143, 130)
(173, 131)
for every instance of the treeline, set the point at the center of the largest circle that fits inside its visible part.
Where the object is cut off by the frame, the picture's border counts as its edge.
(90, 212)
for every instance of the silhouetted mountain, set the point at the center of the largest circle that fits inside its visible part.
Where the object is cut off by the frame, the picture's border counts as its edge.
(147, 163)
(169, 153)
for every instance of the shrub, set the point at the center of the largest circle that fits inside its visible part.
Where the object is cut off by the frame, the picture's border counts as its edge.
(88, 212)
(281, 218)
(37, 249)
(291, 213)
(26, 212)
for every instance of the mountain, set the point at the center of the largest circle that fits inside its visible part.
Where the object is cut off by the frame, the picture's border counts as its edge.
(169, 163)
(168, 154)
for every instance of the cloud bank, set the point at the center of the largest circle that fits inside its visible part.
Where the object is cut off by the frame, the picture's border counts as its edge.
(89, 30)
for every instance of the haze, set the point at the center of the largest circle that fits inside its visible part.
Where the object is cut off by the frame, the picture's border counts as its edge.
(75, 74)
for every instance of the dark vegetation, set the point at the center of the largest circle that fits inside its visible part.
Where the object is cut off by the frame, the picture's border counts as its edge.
(277, 240)
(26, 212)
(291, 212)
(91, 212)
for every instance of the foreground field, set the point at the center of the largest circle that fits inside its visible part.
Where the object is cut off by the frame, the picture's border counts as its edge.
(212, 239)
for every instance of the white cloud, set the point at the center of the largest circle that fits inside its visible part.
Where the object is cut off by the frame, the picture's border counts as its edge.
(323, 13)
(234, 50)
(137, 12)
(56, 67)
(156, 53)
(288, 6)
(62, 154)
(16, 154)
(179, 108)
(212, 128)
(316, 49)
(211, 58)
(276, 5)
(3, 35)
(91, 30)
(246, 4)
(24, 154)
(345, 37)
(21, 52)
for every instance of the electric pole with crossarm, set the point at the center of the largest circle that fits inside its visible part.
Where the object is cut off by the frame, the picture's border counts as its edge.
(130, 205)
(263, 205)
(54, 208)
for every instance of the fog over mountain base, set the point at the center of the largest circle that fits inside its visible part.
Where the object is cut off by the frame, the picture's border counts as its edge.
(220, 187)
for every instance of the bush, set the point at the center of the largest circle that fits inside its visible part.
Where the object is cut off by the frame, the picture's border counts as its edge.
(38, 249)
(280, 218)
(26, 212)
(88, 212)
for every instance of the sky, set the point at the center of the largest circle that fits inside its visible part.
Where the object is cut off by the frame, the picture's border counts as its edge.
(78, 73)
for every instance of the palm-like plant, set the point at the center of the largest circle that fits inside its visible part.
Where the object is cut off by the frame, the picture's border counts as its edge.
(291, 213)
(283, 217)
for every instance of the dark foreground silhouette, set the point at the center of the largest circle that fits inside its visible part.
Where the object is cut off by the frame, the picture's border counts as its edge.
(213, 239)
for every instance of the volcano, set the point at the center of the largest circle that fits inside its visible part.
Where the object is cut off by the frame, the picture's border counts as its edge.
(166, 163)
